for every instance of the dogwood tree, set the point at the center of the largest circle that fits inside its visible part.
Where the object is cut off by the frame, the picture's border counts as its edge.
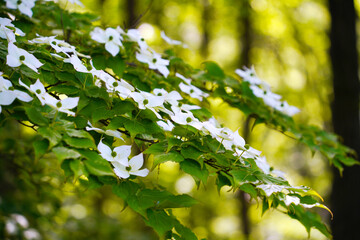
(112, 109)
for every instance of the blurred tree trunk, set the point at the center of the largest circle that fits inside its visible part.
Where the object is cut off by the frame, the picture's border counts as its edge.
(244, 24)
(131, 20)
(345, 114)
(206, 15)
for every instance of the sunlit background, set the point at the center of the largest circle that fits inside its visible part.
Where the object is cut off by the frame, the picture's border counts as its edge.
(287, 42)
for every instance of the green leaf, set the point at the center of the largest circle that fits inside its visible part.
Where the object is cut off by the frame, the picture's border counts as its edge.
(78, 168)
(40, 147)
(214, 70)
(36, 117)
(50, 134)
(79, 142)
(240, 176)
(117, 64)
(78, 133)
(125, 189)
(250, 189)
(160, 221)
(99, 167)
(191, 152)
(99, 61)
(65, 153)
(171, 156)
(194, 169)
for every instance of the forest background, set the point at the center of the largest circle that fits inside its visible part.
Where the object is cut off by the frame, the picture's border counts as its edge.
(290, 43)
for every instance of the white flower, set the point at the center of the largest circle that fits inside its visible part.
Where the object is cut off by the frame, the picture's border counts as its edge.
(63, 105)
(24, 6)
(270, 188)
(17, 56)
(173, 97)
(135, 36)
(193, 91)
(291, 199)
(8, 95)
(187, 80)
(39, 90)
(186, 118)
(169, 40)
(8, 33)
(113, 85)
(167, 126)
(150, 101)
(60, 46)
(32, 234)
(119, 155)
(110, 37)
(77, 63)
(262, 164)
(112, 133)
(20, 219)
(76, 2)
(249, 75)
(135, 163)
(154, 61)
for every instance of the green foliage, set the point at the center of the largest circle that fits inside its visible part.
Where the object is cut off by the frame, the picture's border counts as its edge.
(116, 118)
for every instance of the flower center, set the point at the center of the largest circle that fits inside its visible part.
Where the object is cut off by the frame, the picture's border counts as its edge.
(38, 91)
(154, 60)
(188, 119)
(179, 104)
(19, 2)
(53, 43)
(113, 154)
(160, 94)
(22, 58)
(115, 84)
(11, 88)
(128, 168)
(111, 38)
(192, 91)
(265, 92)
(58, 104)
(145, 101)
(282, 105)
(142, 39)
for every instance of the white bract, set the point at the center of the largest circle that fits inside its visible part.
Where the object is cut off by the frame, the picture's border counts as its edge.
(117, 155)
(270, 188)
(135, 163)
(77, 63)
(169, 40)
(112, 133)
(24, 6)
(76, 2)
(262, 90)
(8, 94)
(154, 61)
(111, 37)
(8, 33)
(149, 101)
(63, 105)
(193, 91)
(135, 36)
(17, 56)
(113, 85)
(167, 126)
(39, 90)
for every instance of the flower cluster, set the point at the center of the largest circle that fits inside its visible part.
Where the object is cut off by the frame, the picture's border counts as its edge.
(119, 158)
(262, 90)
(170, 108)
(16, 225)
